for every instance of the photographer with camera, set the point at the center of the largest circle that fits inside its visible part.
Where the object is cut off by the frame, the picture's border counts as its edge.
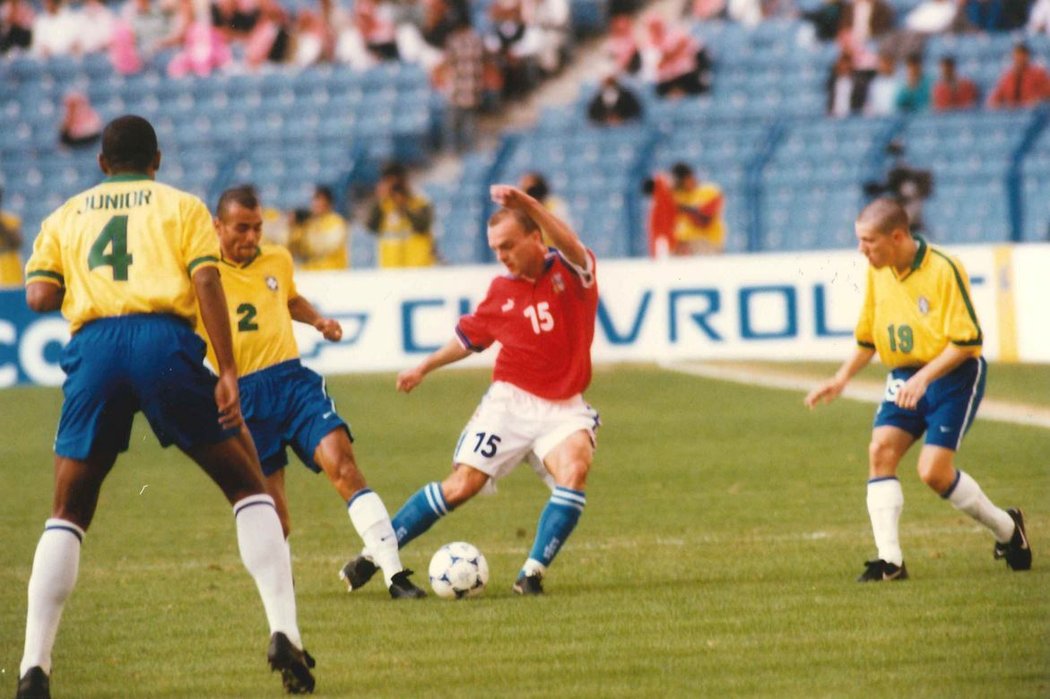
(909, 186)
(403, 220)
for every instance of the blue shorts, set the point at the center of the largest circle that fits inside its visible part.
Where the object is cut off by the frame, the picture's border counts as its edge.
(287, 405)
(947, 410)
(118, 366)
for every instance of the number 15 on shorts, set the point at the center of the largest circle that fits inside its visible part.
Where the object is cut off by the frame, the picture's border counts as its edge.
(486, 444)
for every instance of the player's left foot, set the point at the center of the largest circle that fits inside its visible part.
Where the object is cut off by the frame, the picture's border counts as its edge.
(357, 572)
(403, 588)
(880, 570)
(1016, 551)
(34, 685)
(293, 663)
(528, 585)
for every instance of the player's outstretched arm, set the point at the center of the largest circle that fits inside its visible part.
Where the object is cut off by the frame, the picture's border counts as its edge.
(831, 389)
(42, 297)
(453, 351)
(563, 237)
(212, 301)
(304, 312)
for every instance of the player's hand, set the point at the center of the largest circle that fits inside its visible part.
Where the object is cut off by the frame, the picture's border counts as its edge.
(909, 395)
(824, 393)
(508, 196)
(330, 329)
(228, 400)
(409, 379)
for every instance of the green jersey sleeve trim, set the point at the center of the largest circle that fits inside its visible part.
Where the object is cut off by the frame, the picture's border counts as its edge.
(867, 345)
(966, 299)
(47, 275)
(200, 261)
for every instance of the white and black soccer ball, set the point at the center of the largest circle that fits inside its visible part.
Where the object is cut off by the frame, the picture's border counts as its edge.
(458, 570)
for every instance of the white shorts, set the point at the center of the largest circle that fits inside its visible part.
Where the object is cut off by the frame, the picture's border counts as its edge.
(512, 425)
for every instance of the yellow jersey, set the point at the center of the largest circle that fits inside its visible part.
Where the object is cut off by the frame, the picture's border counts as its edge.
(706, 198)
(909, 319)
(10, 254)
(128, 245)
(257, 294)
(322, 242)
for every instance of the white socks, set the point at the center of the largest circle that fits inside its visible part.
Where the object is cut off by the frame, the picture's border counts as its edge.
(266, 556)
(54, 574)
(885, 502)
(968, 497)
(369, 516)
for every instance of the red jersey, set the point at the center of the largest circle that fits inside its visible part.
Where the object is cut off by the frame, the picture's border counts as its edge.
(545, 328)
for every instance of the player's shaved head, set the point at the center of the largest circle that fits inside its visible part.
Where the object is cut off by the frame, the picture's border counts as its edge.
(884, 215)
(243, 195)
(129, 143)
(501, 215)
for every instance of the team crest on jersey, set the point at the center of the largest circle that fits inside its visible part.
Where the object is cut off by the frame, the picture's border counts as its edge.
(924, 305)
(271, 283)
(558, 282)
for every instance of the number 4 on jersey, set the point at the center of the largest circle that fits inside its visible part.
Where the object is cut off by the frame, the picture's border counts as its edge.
(114, 234)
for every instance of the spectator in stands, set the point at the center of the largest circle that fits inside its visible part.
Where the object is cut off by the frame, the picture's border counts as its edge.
(319, 242)
(423, 40)
(864, 20)
(55, 31)
(507, 41)
(16, 25)
(884, 88)
(202, 47)
(826, 19)
(150, 23)
(95, 22)
(932, 17)
(909, 186)
(462, 75)
(953, 91)
(535, 185)
(312, 42)
(1023, 84)
(10, 247)
(914, 94)
(678, 62)
(703, 10)
(614, 104)
(81, 124)
(271, 39)
(698, 227)
(1039, 18)
(403, 221)
(368, 36)
(846, 92)
(622, 47)
(549, 22)
(235, 19)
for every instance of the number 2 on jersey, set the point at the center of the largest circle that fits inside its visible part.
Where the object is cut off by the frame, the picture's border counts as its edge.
(540, 317)
(115, 234)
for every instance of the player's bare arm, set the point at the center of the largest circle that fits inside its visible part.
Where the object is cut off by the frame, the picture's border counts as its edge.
(563, 237)
(42, 297)
(909, 395)
(452, 352)
(304, 312)
(212, 301)
(831, 389)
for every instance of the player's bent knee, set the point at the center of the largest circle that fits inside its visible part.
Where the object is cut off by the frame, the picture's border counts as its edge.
(462, 484)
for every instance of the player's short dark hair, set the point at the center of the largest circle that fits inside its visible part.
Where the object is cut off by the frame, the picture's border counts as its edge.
(680, 171)
(129, 143)
(523, 220)
(325, 192)
(884, 215)
(245, 195)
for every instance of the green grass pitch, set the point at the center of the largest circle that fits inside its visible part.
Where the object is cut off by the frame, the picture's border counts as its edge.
(724, 528)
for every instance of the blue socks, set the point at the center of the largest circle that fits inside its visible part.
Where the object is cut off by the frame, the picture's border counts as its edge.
(426, 506)
(557, 521)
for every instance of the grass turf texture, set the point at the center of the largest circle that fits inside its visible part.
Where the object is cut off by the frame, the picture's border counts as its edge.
(725, 525)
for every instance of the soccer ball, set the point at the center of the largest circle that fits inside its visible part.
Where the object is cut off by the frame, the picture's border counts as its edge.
(458, 570)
